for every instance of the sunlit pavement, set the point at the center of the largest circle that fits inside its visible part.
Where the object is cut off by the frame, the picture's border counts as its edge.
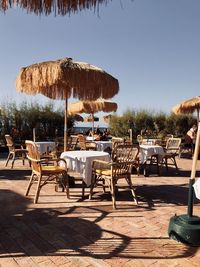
(61, 232)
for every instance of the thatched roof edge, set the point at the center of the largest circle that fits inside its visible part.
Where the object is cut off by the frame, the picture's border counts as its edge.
(61, 7)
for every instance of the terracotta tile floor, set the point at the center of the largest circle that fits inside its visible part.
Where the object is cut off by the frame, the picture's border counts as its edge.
(61, 232)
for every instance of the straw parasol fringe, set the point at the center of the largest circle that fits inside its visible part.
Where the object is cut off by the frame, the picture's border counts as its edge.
(188, 106)
(61, 7)
(92, 106)
(64, 78)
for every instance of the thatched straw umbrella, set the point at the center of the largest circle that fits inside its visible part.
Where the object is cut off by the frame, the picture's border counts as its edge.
(61, 7)
(64, 78)
(188, 106)
(91, 118)
(92, 107)
(184, 224)
(107, 118)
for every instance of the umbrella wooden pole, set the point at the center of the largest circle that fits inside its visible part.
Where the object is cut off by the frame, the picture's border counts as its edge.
(65, 126)
(34, 139)
(193, 173)
(92, 124)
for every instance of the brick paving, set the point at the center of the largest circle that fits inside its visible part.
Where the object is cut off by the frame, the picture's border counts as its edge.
(61, 232)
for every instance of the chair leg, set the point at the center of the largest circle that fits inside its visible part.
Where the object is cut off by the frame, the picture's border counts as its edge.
(112, 187)
(93, 182)
(66, 184)
(8, 158)
(38, 189)
(13, 161)
(128, 179)
(29, 184)
(83, 189)
(166, 165)
(174, 161)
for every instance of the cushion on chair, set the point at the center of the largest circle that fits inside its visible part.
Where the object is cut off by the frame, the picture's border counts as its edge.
(108, 172)
(55, 169)
(103, 172)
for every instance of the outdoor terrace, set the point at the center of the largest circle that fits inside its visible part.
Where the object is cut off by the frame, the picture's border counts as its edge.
(61, 232)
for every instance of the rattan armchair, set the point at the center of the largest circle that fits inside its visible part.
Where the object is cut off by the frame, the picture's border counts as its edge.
(172, 150)
(108, 174)
(45, 171)
(86, 145)
(15, 151)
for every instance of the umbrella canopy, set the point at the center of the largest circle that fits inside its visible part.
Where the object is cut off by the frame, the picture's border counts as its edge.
(188, 106)
(107, 118)
(61, 7)
(92, 106)
(64, 78)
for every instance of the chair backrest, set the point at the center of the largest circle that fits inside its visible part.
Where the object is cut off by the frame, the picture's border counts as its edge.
(33, 155)
(173, 145)
(139, 139)
(125, 157)
(82, 141)
(73, 142)
(9, 142)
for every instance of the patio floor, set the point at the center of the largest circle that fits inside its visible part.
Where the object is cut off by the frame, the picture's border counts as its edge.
(61, 232)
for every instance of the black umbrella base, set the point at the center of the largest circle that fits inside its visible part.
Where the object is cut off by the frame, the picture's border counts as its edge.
(185, 229)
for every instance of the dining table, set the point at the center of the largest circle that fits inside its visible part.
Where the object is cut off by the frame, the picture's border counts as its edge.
(149, 152)
(104, 145)
(101, 145)
(44, 147)
(81, 161)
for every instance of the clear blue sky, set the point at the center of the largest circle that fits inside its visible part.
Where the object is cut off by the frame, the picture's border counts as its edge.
(151, 46)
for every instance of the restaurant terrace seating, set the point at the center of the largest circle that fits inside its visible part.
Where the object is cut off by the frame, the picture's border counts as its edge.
(15, 151)
(108, 174)
(44, 172)
(86, 145)
(172, 150)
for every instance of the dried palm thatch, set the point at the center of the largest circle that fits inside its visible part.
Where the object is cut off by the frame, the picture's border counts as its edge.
(46, 7)
(64, 78)
(92, 106)
(187, 106)
(107, 118)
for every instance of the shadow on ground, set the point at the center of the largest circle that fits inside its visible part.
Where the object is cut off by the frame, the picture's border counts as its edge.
(74, 231)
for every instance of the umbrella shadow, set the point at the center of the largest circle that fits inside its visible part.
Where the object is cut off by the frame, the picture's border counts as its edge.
(15, 174)
(74, 232)
(168, 194)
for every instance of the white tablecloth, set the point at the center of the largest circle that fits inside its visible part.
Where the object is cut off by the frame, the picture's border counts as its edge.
(45, 146)
(146, 151)
(150, 141)
(102, 145)
(81, 161)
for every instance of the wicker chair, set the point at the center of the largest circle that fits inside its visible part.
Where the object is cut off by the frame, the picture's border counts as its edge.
(86, 145)
(108, 174)
(15, 151)
(45, 171)
(172, 150)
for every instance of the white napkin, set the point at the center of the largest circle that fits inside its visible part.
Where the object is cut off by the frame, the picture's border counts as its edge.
(196, 186)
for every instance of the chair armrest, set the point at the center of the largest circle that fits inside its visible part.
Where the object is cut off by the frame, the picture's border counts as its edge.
(101, 164)
(36, 160)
